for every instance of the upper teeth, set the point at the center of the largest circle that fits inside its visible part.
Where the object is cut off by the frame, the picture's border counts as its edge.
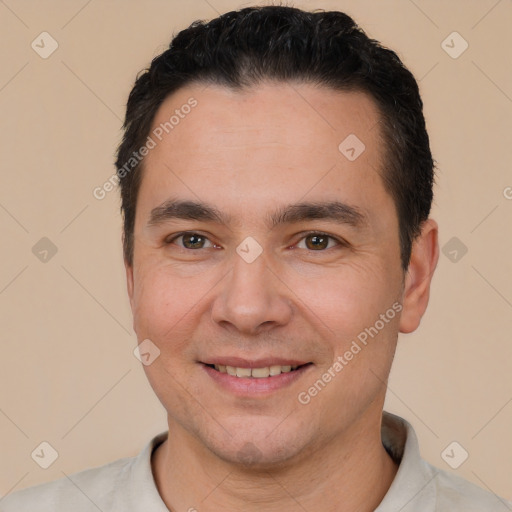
(267, 371)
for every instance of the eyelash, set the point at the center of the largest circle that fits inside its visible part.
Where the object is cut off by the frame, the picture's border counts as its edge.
(339, 242)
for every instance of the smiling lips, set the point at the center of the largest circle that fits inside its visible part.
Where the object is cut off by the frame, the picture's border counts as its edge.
(260, 369)
(256, 378)
(257, 373)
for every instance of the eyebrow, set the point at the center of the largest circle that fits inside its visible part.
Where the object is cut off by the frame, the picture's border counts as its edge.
(290, 214)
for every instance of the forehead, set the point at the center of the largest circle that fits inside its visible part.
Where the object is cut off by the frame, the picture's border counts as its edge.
(266, 113)
(270, 143)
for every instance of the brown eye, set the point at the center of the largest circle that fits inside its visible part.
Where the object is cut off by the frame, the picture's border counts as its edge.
(318, 241)
(192, 241)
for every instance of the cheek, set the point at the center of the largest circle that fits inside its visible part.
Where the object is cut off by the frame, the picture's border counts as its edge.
(161, 302)
(344, 300)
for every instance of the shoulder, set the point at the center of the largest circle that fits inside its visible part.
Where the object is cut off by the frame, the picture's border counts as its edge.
(456, 493)
(419, 485)
(85, 491)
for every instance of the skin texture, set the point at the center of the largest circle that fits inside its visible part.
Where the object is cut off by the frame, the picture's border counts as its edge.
(249, 153)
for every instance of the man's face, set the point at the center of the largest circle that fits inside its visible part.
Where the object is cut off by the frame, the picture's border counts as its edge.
(204, 300)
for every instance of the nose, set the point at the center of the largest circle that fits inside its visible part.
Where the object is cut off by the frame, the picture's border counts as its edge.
(252, 298)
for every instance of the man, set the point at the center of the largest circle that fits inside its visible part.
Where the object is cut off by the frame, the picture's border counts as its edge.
(276, 183)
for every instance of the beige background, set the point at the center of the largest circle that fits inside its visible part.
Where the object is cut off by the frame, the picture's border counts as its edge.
(67, 372)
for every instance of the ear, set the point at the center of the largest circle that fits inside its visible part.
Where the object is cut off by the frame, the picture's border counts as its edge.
(423, 262)
(129, 277)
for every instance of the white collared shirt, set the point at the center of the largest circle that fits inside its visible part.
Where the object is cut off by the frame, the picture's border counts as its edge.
(127, 485)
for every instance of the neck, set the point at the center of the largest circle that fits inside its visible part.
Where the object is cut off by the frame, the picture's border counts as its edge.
(349, 473)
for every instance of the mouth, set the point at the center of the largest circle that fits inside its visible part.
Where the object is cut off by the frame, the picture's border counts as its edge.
(262, 372)
(261, 378)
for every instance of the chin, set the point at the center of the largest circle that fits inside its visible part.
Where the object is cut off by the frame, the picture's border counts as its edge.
(249, 456)
(259, 446)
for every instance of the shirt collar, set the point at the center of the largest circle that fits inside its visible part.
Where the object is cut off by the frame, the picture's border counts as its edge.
(411, 489)
(143, 490)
